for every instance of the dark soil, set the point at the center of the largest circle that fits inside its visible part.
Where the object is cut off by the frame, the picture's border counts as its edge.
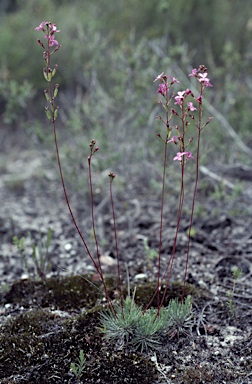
(45, 323)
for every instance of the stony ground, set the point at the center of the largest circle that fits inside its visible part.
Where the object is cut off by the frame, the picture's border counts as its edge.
(218, 351)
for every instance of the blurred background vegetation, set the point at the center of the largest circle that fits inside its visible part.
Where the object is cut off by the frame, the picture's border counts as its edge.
(111, 52)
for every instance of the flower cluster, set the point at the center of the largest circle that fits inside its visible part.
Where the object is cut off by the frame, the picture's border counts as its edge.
(163, 87)
(179, 99)
(50, 30)
(51, 93)
(202, 77)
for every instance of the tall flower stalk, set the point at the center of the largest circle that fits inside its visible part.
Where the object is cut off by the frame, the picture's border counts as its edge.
(50, 47)
(185, 113)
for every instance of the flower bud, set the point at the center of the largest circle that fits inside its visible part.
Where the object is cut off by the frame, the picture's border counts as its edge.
(47, 95)
(209, 120)
(174, 112)
(45, 74)
(48, 114)
(57, 48)
(40, 43)
(56, 113)
(188, 92)
(200, 98)
(56, 90)
(54, 70)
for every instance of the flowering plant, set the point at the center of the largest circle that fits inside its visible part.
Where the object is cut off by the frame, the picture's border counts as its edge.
(177, 106)
(128, 322)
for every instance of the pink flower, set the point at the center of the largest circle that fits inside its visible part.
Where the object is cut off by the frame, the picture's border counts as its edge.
(194, 72)
(205, 79)
(54, 28)
(51, 40)
(191, 107)
(41, 26)
(179, 99)
(174, 140)
(181, 154)
(163, 89)
(159, 77)
(174, 80)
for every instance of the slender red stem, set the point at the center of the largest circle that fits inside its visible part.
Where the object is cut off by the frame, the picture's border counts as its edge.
(74, 221)
(92, 209)
(169, 266)
(194, 194)
(161, 221)
(159, 282)
(119, 283)
(64, 187)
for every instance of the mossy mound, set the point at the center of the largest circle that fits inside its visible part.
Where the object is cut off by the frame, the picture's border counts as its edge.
(39, 346)
(49, 323)
(73, 292)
